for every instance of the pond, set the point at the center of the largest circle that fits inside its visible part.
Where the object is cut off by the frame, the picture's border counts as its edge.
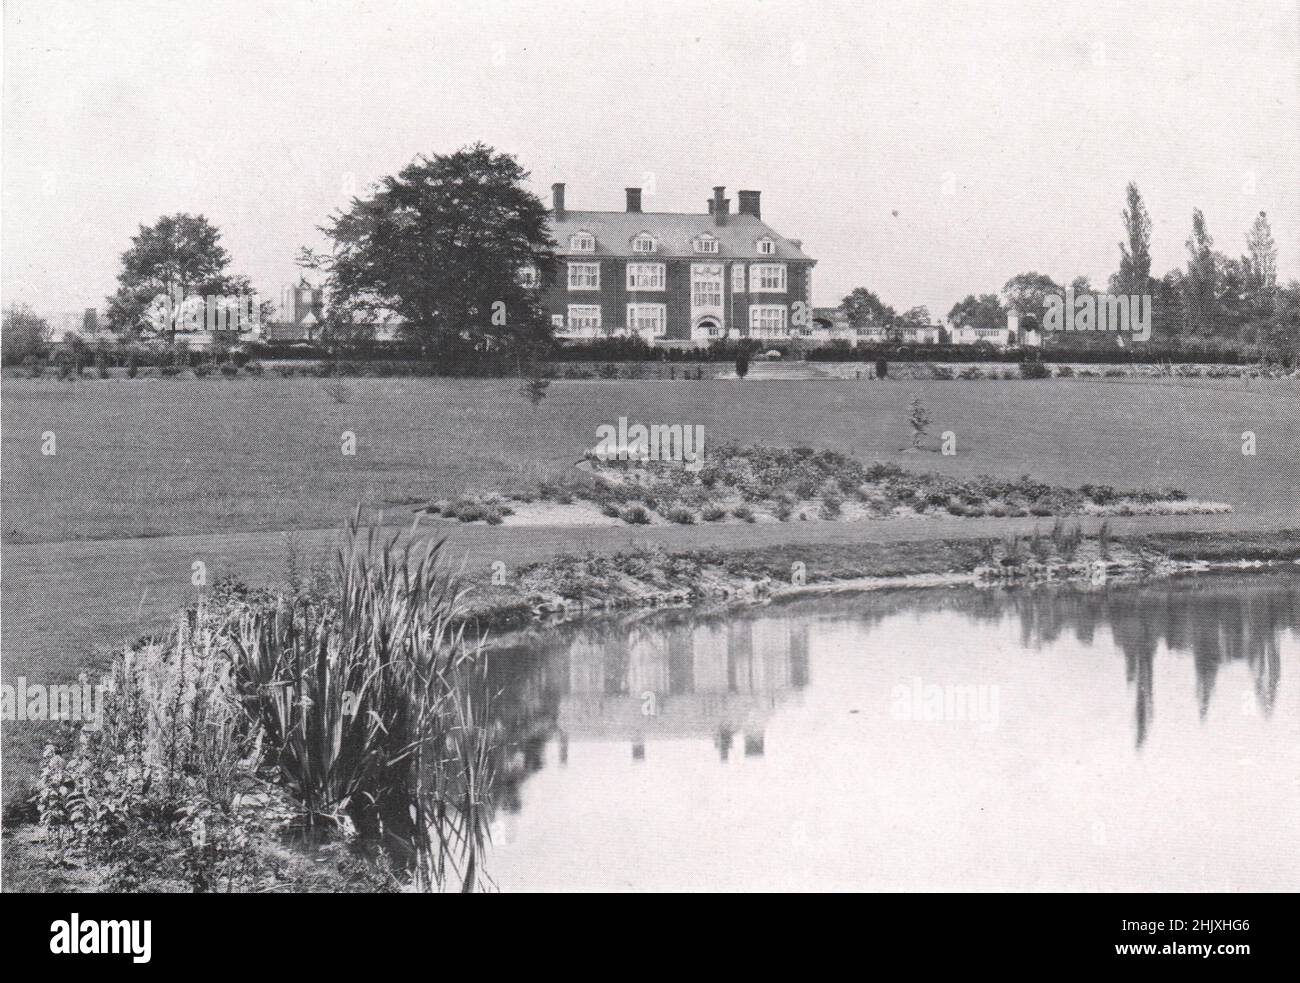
(1053, 738)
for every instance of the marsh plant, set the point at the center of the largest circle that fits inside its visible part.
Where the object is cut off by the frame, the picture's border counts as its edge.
(363, 712)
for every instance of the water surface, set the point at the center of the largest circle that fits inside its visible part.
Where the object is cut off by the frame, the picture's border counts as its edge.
(1051, 738)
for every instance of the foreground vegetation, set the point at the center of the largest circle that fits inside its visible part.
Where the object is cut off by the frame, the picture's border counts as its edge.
(356, 714)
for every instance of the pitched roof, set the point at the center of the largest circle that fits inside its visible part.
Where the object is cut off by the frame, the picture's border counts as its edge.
(674, 235)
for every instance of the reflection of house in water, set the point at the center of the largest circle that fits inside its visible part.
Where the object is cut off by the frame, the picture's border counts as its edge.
(691, 680)
(694, 681)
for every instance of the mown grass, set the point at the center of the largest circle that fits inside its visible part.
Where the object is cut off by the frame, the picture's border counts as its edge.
(149, 457)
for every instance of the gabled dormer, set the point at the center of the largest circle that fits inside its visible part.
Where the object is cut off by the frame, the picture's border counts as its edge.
(765, 246)
(705, 242)
(644, 242)
(582, 241)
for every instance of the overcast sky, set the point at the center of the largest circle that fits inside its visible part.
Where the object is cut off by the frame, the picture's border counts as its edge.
(926, 150)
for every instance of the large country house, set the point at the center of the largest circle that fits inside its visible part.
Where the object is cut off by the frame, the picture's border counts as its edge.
(676, 278)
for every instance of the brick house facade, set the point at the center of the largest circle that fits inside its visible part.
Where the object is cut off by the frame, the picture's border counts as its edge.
(676, 278)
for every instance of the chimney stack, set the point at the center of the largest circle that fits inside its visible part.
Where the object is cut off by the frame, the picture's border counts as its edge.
(749, 204)
(720, 205)
(633, 199)
(557, 200)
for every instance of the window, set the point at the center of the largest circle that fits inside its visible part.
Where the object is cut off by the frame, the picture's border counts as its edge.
(528, 276)
(582, 241)
(738, 279)
(557, 320)
(766, 247)
(766, 321)
(706, 244)
(644, 243)
(649, 319)
(304, 296)
(706, 285)
(767, 277)
(584, 317)
(584, 276)
(645, 276)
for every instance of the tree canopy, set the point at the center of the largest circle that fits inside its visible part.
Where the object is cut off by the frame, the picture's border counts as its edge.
(444, 244)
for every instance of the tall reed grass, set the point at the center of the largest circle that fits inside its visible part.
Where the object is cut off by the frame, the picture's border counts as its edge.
(377, 704)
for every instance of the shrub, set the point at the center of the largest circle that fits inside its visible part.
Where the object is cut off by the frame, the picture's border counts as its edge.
(882, 368)
(1034, 370)
(940, 372)
(742, 365)
(254, 368)
(744, 513)
(714, 513)
(680, 515)
(1064, 372)
(611, 510)
(202, 370)
(169, 370)
(636, 515)
(229, 369)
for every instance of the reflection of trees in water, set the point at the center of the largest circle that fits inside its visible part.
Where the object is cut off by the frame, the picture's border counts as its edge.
(682, 674)
(1216, 619)
(635, 681)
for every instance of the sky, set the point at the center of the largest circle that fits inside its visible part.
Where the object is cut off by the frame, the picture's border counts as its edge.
(925, 150)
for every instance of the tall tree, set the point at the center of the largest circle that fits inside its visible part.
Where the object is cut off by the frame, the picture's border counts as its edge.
(1134, 276)
(178, 252)
(23, 332)
(1260, 262)
(1026, 293)
(444, 244)
(984, 311)
(1201, 284)
(863, 309)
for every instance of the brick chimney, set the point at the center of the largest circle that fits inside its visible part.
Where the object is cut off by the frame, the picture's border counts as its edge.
(557, 200)
(720, 205)
(748, 204)
(633, 199)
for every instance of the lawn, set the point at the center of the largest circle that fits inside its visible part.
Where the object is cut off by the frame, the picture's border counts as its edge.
(154, 457)
(230, 464)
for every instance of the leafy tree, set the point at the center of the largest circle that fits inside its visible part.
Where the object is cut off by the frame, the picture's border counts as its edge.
(984, 311)
(742, 364)
(1027, 292)
(23, 333)
(1134, 276)
(919, 418)
(1169, 313)
(862, 308)
(178, 251)
(444, 244)
(1260, 263)
(1201, 284)
(915, 317)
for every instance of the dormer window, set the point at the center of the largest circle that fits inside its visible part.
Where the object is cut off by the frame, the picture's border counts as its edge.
(766, 247)
(582, 241)
(643, 243)
(706, 243)
(528, 277)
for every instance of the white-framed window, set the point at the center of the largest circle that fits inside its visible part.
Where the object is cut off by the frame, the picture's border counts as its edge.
(767, 278)
(557, 320)
(648, 318)
(706, 243)
(643, 243)
(767, 321)
(584, 317)
(528, 276)
(706, 285)
(584, 276)
(646, 276)
(738, 278)
(582, 241)
(766, 247)
(304, 297)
